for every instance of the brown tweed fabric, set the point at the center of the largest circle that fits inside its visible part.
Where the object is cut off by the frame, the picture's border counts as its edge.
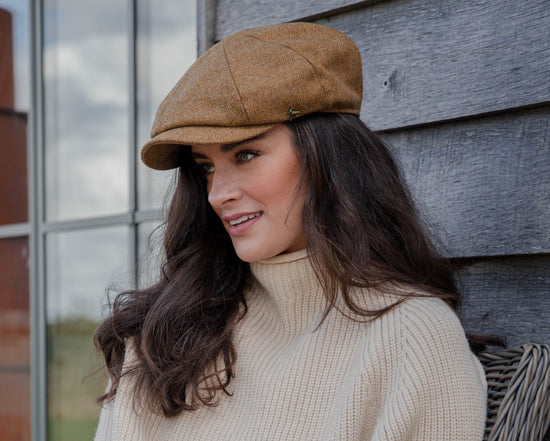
(253, 80)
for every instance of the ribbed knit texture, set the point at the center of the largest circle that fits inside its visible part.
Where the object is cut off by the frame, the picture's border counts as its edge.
(408, 375)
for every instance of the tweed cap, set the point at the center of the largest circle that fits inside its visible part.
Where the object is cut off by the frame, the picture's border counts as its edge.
(252, 81)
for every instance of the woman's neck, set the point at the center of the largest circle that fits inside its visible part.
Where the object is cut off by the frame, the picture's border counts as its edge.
(289, 285)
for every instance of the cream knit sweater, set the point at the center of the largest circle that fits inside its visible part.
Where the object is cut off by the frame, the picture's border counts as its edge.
(408, 375)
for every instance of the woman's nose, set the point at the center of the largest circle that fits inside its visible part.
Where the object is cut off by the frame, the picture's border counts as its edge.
(223, 188)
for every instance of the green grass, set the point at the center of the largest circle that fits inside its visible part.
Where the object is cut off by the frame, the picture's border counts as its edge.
(73, 429)
(72, 384)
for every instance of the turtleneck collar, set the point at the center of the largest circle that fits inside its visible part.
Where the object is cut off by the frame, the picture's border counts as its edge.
(290, 284)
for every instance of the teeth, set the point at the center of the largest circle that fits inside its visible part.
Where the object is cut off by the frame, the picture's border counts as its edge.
(244, 218)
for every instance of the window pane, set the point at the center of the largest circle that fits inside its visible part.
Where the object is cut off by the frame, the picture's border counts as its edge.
(14, 340)
(14, 104)
(86, 107)
(79, 267)
(150, 237)
(166, 47)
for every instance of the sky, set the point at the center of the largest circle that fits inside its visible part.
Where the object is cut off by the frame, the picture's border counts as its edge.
(86, 75)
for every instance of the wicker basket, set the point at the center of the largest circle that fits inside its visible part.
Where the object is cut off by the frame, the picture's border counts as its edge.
(518, 382)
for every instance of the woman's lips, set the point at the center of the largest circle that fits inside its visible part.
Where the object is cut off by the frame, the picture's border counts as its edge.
(240, 228)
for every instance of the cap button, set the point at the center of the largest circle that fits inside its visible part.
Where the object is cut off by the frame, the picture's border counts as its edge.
(293, 113)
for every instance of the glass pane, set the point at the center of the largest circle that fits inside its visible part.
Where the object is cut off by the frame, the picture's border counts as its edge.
(15, 403)
(86, 107)
(80, 265)
(166, 47)
(14, 105)
(150, 237)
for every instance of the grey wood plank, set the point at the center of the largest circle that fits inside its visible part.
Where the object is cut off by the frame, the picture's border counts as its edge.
(434, 60)
(206, 23)
(482, 184)
(233, 16)
(509, 297)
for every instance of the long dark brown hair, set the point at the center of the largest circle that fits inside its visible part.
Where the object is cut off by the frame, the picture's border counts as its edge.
(361, 230)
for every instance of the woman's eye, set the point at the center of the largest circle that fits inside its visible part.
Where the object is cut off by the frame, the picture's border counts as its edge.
(207, 169)
(245, 156)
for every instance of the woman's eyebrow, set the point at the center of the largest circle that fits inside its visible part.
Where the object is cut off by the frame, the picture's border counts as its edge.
(234, 145)
(228, 147)
(196, 155)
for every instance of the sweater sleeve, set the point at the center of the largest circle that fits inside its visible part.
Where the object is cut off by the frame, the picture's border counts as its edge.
(121, 403)
(104, 428)
(439, 391)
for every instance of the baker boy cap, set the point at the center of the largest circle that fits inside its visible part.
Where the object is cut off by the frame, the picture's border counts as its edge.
(252, 81)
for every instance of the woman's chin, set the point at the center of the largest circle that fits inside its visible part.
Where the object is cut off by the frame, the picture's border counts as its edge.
(262, 247)
(248, 253)
(252, 256)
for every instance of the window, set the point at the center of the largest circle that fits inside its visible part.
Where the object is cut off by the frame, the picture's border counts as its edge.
(76, 205)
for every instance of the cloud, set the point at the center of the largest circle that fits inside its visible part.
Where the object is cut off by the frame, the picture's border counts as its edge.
(73, 20)
(80, 263)
(86, 72)
(87, 103)
(86, 139)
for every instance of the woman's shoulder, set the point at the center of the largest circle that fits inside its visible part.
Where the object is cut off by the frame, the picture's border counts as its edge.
(421, 317)
(407, 305)
(418, 356)
(427, 311)
(427, 336)
(416, 322)
(423, 336)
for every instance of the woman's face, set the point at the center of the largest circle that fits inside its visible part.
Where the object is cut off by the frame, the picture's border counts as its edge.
(252, 188)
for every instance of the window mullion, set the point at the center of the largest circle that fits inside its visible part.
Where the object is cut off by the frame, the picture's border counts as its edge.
(132, 138)
(36, 212)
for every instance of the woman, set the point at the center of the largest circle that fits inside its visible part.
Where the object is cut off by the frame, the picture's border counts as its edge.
(300, 298)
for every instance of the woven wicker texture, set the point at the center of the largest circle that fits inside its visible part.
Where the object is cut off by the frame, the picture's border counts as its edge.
(518, 382)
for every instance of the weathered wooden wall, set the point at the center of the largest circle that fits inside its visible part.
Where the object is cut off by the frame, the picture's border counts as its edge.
(461, 90)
